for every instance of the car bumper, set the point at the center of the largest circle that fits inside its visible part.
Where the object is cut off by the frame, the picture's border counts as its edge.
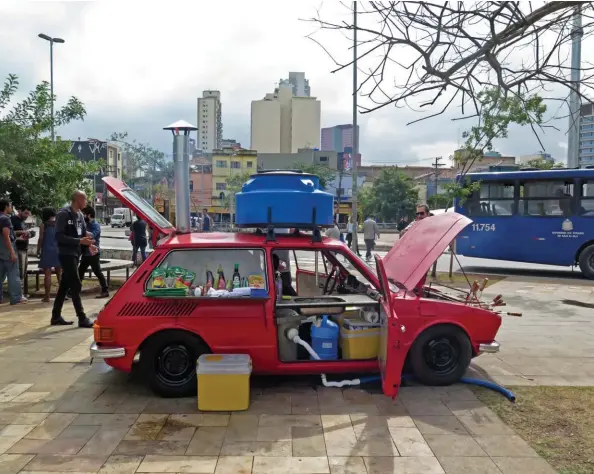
(106, 352)
(490, 348)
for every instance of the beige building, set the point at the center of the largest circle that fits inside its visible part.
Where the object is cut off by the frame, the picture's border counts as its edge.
(283, 123)
(209, 121)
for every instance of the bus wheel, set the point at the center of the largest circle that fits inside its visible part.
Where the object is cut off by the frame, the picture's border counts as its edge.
(587, 262)
(440, 355)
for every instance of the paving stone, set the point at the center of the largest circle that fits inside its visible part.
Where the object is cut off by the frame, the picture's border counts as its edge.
(521, 465)
(347, 465)
(52, 426)
(16, 431)
(274, 433)
(13, 390)
(410, 442)
(147, 427)
(308, 441)
(197, 420)
(121, 464)
(242, 427)
(403, 465)
(426, 408)
(106, 419)
(257, 448)
(290, 420)
(470, 465)
(207, 441)
(61, 463)
(505, 446)
(489, 424)
(13, 463)
(234, 465)
(453, 445)
(142, 448)
(439, 425)
(290, 465)
(105, 440)
(22, 418)
(186, 464)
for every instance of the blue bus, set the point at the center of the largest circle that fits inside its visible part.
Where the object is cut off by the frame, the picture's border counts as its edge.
(542, 216)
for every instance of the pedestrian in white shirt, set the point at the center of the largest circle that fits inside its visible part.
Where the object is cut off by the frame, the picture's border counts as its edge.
(349, 236)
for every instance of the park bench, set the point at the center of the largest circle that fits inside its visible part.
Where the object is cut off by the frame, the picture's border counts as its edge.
(107, 266)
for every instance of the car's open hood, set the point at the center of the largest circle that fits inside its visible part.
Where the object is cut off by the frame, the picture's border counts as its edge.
(412, 256)
(129, 198)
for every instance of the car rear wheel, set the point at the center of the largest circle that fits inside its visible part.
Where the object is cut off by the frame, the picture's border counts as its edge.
(168, 361)
(441, 355)
(587, 262)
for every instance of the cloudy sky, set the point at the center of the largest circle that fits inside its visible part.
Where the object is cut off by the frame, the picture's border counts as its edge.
(139, 66)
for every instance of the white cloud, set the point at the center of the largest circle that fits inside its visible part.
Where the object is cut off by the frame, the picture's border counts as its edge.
(140, 65)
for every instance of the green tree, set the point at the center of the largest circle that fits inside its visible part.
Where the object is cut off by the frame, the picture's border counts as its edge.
(498, 109)
(234, 184)
(393, 195)
(543, 164)
(438, 201)
(325, 174)
(149, 161)
(36, 172)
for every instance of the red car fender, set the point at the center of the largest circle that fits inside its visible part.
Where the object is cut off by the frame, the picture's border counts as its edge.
(435, 322)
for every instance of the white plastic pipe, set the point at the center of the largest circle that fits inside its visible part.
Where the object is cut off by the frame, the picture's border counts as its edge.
(293, 335)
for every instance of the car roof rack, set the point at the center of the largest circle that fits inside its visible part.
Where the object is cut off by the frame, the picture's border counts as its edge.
(271, 234)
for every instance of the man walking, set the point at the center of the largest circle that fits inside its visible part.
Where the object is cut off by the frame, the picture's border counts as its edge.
(138, 231)
(22, 241)
(9, 265)
(370, 233)
(206, 221)
(71, 234)
(88, 260)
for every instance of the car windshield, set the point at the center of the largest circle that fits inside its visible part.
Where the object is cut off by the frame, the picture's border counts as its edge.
(145, 208)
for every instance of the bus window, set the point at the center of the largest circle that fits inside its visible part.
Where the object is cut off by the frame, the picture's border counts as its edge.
(587, 201)
(546, 198)
(493, 199)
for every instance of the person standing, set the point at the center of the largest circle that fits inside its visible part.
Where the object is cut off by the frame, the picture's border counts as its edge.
(349, 235)
(422, 213)
(138, 235)
(206, 221)
(47, 250)
(370, 234)
(93, 260)
(333, 232)
(22, 241)
(9, 265)
(71, 235)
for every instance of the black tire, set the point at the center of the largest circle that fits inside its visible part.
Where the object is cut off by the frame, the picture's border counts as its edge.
(440, 355)
(168, 361)
(586, 262)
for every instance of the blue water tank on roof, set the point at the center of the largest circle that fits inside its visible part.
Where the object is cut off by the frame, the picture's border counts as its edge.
(284, 199)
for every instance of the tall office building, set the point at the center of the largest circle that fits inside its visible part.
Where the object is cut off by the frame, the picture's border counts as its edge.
(338, 138)
(586, 153)
(283, 123)
(298, 83)
(209, 123)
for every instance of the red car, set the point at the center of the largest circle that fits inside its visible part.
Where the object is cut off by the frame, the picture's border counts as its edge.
(434, 334)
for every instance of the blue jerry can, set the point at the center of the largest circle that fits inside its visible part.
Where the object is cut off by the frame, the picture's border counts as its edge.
(283, 199)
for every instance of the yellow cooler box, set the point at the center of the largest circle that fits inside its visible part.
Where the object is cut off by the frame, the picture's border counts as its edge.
(224, 382)
(359, 339)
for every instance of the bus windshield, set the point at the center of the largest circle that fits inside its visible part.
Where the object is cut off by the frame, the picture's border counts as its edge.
(544, 217)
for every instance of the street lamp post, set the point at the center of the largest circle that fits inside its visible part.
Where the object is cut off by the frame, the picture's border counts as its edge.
(51, 42)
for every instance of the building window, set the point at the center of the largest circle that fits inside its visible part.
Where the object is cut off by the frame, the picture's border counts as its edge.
(236, 165)
(323, 158)
(221, 164)
(191, 186)
(221, 186)
(249, 164)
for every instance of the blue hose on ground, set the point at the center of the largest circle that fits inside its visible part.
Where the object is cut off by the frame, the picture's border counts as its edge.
(478, 382)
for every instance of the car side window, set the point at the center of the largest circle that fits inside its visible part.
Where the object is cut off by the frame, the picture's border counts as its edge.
(250, 264)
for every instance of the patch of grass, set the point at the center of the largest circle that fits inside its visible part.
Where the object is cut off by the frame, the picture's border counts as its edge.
(558, 422)
(458, 279)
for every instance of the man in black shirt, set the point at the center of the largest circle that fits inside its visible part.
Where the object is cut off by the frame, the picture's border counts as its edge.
(139, 241)
(71, 233)
(22, 241)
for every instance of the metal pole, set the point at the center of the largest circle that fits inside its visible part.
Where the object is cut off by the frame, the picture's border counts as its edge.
(52, 86)
(355, 134)
(573, 139)
(182, 182)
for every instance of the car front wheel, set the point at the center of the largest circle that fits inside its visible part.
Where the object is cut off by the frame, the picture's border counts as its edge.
(168, 361)
(440, 355)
